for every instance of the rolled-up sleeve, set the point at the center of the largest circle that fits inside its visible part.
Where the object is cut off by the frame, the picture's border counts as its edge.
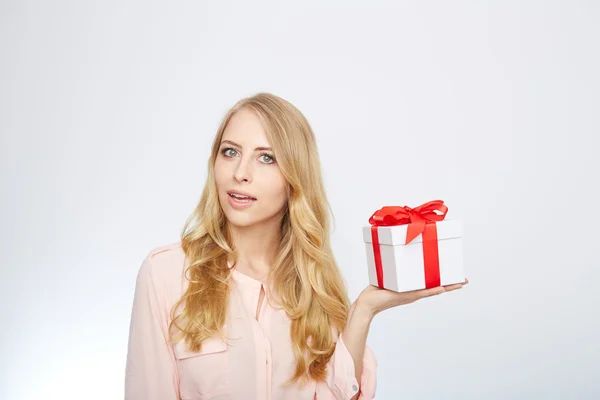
(151, 371)
(341, 383)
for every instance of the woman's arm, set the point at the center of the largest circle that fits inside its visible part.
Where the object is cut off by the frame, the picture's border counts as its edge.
(151, 372)
(355, 337)
(352, 369)
(369, 303)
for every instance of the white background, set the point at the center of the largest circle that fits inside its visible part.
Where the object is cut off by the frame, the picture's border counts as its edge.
(107, 114)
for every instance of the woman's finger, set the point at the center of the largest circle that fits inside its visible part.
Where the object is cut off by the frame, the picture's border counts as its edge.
(430, 292)
(460, 283)
(450, 288)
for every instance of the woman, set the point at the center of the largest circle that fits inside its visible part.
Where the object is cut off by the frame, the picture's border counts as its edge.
(250, 304)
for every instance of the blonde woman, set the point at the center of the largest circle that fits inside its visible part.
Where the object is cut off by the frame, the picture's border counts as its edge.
(250, 303)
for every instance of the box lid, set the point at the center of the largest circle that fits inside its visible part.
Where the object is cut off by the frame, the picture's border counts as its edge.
(396, 235)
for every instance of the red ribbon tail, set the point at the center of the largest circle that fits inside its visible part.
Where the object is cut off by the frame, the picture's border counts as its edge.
(377, 255)
(431, 256)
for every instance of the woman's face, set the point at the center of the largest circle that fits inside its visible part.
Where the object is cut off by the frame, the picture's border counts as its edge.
(250, 185)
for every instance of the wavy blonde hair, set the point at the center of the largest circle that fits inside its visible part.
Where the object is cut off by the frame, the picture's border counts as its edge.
(305, 275)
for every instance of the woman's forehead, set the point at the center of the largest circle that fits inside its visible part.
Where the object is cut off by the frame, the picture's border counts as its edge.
(246, 130)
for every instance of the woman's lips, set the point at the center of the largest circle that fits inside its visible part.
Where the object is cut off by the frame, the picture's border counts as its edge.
(240, 204)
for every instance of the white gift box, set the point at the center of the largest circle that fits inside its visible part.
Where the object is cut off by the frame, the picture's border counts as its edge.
(403, 265)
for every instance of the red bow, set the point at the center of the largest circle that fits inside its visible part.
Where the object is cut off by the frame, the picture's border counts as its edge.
(420, 220)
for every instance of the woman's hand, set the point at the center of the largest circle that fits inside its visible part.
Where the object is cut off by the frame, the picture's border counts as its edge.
(375, 299)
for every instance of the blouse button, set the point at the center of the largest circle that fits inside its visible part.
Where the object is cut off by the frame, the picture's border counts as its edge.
(354, 387)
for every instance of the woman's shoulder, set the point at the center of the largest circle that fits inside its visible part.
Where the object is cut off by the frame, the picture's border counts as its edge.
(164, 266)
(166, 252)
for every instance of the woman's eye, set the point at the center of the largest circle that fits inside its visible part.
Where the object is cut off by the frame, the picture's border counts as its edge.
(267, 159)
(229, 152)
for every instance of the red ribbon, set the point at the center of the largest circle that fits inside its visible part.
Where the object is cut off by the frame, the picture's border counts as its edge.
(420, 220)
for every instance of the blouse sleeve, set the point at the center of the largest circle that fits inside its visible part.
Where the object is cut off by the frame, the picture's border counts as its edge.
(151, 372)
(341, 383)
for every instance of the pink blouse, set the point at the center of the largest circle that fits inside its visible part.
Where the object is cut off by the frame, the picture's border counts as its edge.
(254, 363)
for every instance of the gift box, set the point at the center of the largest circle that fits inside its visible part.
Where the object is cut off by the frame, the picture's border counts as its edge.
(414, 248)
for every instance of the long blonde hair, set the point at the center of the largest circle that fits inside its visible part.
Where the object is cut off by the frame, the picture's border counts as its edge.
(305, 274)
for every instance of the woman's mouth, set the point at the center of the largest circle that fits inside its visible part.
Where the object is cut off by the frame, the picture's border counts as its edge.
(239, 201)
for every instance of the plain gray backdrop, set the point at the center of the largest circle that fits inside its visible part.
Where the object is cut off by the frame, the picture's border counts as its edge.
(108, 110)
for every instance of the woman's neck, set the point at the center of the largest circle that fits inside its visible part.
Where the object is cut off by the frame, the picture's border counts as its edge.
(256, 248)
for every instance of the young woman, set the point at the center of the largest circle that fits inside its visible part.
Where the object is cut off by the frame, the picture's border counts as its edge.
(250, 304)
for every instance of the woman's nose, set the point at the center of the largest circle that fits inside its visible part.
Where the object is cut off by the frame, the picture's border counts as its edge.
(242, 172)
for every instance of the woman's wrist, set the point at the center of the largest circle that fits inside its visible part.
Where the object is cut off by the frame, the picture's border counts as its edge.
(361, 311)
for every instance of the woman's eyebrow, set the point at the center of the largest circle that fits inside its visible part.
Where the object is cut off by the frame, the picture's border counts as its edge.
(239, 147)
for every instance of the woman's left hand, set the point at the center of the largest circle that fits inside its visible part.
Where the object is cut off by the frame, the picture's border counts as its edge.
(376, 299)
